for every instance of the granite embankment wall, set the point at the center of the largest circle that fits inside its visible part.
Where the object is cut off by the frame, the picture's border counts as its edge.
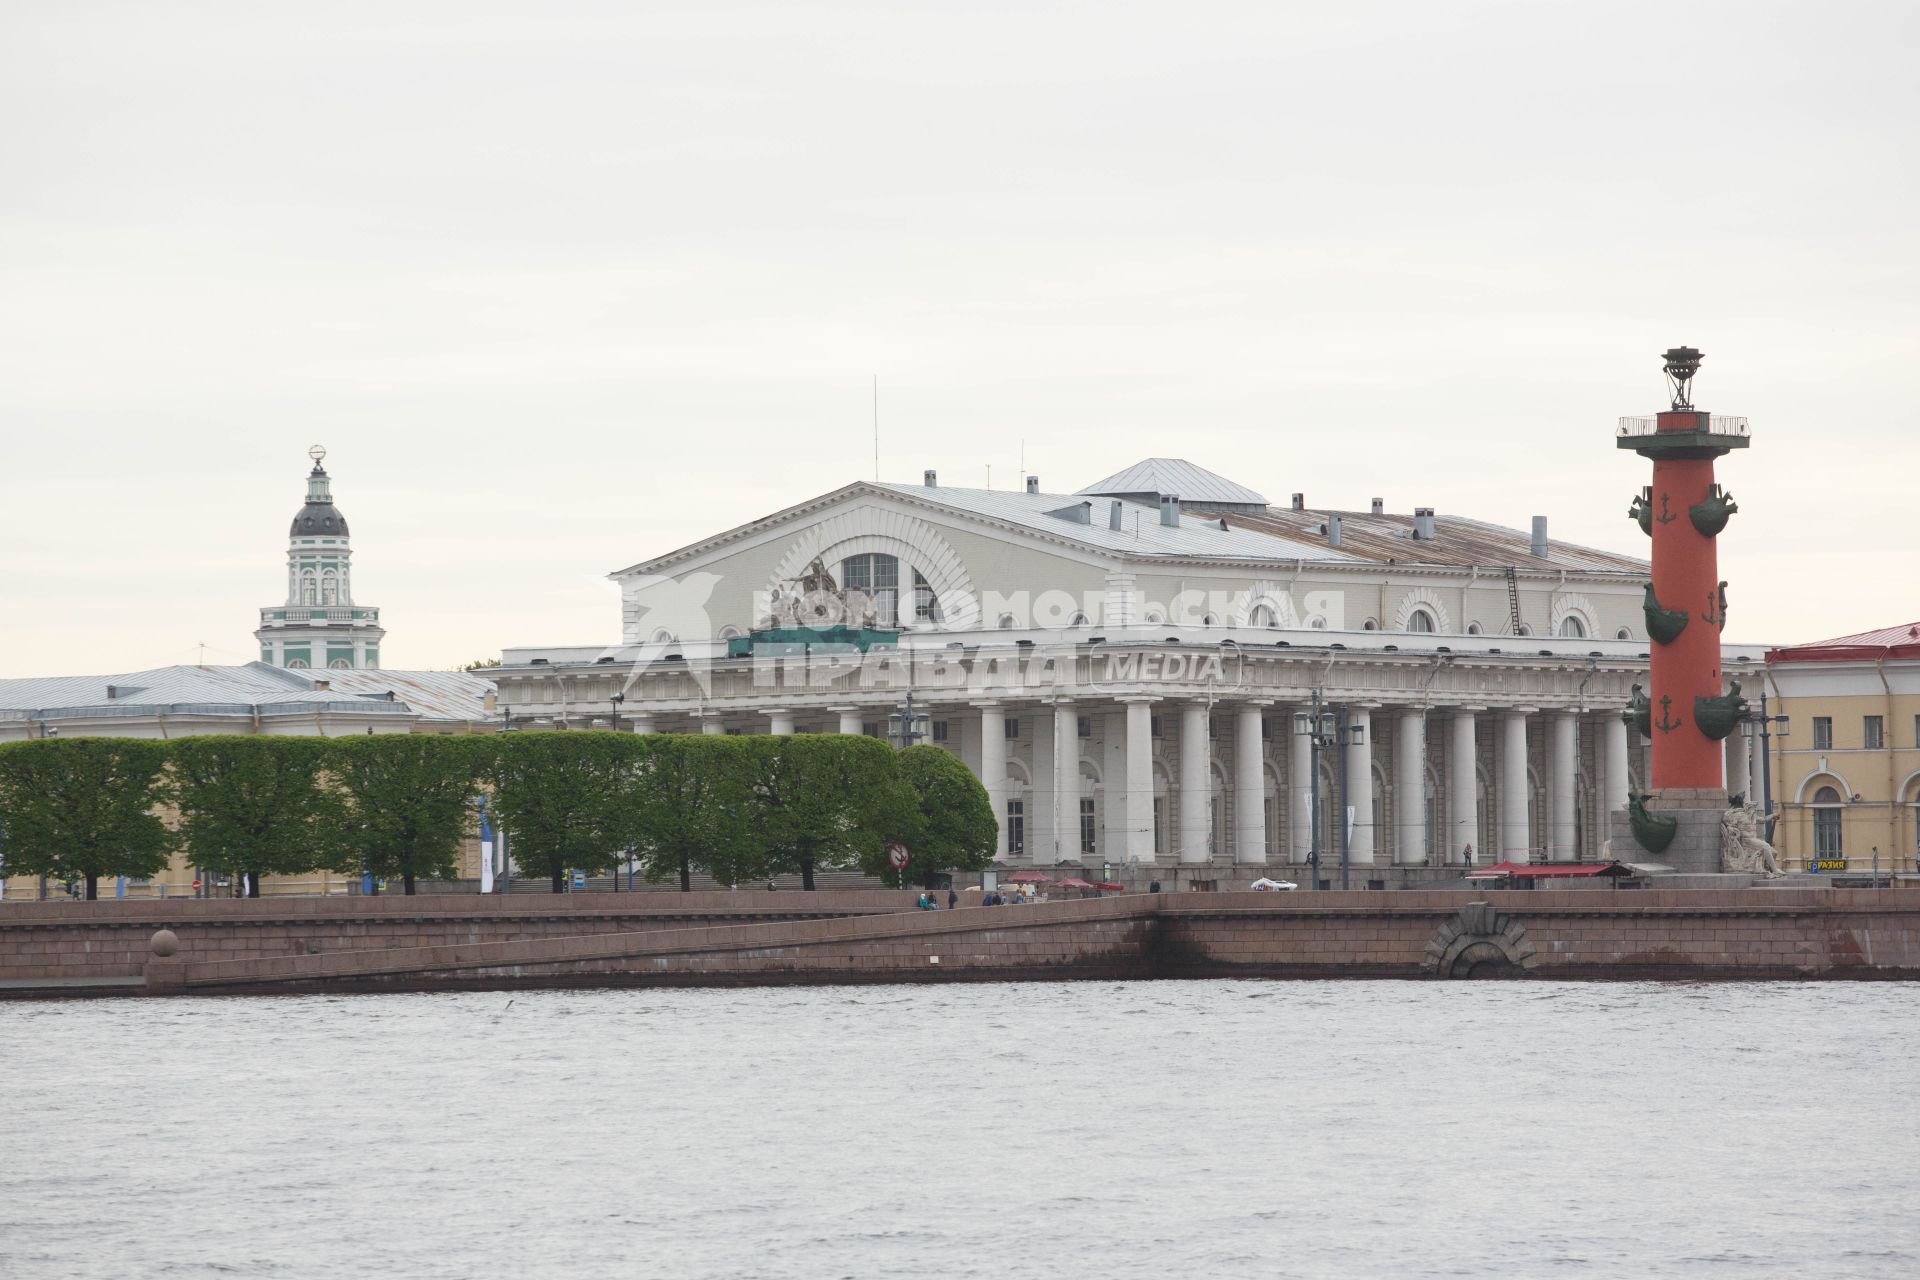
(79, 941)
(742, 939)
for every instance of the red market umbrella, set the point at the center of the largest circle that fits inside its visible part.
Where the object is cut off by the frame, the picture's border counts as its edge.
(1111, 886)
(1073, 882)
(1029, 877)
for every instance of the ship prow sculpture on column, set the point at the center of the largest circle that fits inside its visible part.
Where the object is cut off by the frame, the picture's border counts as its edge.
(1682, 819)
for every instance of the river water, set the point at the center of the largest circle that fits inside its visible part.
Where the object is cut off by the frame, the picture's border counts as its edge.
(1033, 1130)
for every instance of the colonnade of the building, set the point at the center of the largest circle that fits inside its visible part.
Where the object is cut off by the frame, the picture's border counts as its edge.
(1048, 782)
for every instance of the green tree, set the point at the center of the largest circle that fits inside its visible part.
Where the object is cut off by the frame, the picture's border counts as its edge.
(82, 808)
(256, 806)
(408, 802)
(953, 827)
(568, 801)
(696, 809)
(828, 800)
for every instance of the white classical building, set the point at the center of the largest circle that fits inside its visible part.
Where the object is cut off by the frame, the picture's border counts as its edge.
(1127, 668)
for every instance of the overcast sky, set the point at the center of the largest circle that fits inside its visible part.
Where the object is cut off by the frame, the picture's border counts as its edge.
(564, 286)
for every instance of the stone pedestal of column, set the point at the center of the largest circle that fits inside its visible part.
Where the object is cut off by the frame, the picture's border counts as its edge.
(1695, 849)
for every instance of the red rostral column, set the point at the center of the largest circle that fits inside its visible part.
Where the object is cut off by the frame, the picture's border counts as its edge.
(1686, 604)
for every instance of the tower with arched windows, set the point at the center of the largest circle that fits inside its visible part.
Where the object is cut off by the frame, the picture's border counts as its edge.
(319, 625)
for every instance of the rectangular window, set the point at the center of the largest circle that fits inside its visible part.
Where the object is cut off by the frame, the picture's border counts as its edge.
(1016, 826)
(1085, 726)
(1154, 725)
(870, 728)
(1873, 733)
(1916, 742)
(939, 730)
(1086, 825)
(1827, 840)
(1823, 733)
(1013, 726)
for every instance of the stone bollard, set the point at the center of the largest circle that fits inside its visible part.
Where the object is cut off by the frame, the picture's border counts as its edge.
(165, 971)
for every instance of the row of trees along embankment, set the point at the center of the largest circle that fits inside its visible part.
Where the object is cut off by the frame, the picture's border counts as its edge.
(400, 806)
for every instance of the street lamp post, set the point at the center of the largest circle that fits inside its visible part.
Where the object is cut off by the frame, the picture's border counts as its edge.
(613, 723)
(904, 727)
(1764, 724)
(1324, 731)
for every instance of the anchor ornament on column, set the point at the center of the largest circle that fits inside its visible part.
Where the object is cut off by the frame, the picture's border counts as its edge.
(1666, 723)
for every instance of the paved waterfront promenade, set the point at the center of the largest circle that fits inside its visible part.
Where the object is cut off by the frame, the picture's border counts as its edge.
(876, 936)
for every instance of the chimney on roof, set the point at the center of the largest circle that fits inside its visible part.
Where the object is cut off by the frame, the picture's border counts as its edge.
(1170, 510)
(1299, 502)
(1333, 531)
(930, 478)
(322, 686)
(1423, 530)
(1114, 513)
(1540, 537)
(1379, 506)
(1033, 484)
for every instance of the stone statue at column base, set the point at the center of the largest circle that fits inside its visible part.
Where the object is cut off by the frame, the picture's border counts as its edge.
(1741, 848)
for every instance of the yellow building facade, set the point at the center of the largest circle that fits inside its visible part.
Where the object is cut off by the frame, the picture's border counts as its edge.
(1845, 773)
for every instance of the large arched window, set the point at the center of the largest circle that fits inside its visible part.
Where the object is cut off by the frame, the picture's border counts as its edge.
(1420, 620)
(877, 575)
(1827, 840)
(1573, 627)
(1262, 616)
(309, 592)
(330, 589)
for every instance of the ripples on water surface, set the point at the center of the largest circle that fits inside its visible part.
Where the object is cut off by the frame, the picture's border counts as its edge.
(1142, 1129)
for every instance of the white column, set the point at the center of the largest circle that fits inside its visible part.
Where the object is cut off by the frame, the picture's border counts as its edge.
(1735, 747)
(1036, 726)
(1566, 737)
(1410, 786)
(993, 770)
(1249, 784)
(849, 719)
(643, 722)
(1196, 778)
(1515, 845)
(1360, 787)
(1300, 783)
(963, 736)
(781, 720)
(1138, 841)
(1619, 775)
(1463, 771)
(1066, 774)
(1113, 767)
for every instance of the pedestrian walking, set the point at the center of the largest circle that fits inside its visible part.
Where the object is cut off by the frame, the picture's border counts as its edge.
(953, 899)
(1467, 854)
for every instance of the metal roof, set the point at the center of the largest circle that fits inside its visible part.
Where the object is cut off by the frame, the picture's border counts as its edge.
(1865, 646)
(436, 695)
(1140, 534)
(255, 688)
(1457, 541)
(1174, 477)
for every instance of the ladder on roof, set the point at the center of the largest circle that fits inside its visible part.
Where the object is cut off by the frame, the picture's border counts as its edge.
(1513, 602)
